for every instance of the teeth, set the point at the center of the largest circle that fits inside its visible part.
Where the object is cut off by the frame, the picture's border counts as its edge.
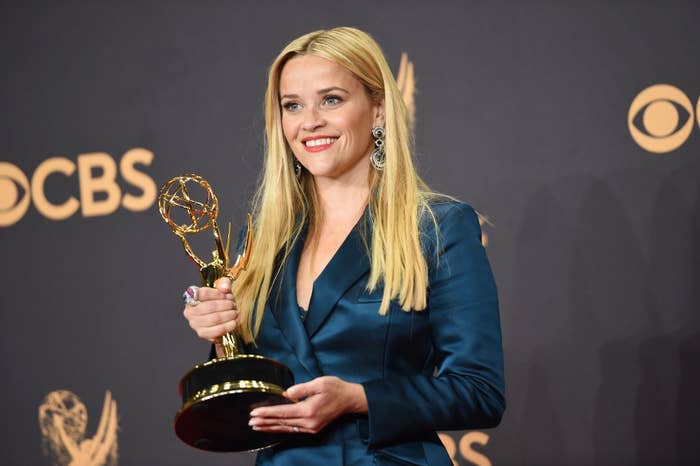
(319, 142)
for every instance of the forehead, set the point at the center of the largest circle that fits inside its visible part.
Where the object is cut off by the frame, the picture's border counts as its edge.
(311, 73)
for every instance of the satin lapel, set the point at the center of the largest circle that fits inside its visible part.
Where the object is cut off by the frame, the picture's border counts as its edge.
(348, 264)
(283, 303)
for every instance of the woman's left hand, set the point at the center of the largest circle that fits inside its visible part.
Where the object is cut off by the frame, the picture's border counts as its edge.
(318, 403)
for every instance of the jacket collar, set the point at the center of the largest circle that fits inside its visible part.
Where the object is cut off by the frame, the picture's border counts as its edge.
(349, 264)
(283, 304)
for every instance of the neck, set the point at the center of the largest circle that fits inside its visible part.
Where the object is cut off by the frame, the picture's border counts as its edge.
(342, 199)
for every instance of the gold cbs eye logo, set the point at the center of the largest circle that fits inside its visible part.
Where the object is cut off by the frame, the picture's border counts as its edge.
(12, 208)
(656, 118)
(97, 178)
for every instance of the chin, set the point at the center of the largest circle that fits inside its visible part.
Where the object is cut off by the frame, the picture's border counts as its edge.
(321, 173)
(320, 167)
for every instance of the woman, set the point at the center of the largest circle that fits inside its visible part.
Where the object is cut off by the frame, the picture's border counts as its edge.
(375, 292)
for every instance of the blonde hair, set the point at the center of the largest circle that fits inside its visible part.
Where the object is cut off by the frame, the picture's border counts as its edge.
(283, 204)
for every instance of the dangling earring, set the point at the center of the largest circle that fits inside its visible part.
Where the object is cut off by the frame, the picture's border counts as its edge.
(297, 168)
(377, 157)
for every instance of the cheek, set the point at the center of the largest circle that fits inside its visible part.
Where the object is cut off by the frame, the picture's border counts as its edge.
(290, 129)
(357, 130)
(287, 129)
(362, 124)
(361, 134)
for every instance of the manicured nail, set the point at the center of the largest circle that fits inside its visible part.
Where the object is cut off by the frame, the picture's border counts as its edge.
(254, 412)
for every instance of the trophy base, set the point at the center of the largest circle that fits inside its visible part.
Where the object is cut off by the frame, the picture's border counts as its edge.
(217, 403)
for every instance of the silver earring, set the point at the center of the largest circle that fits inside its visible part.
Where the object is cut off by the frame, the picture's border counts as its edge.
(377, 157)
(297, 168)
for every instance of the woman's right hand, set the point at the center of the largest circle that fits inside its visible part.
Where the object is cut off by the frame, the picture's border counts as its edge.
(212, 312)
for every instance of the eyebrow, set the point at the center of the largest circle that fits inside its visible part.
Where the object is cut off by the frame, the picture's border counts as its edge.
(321, 91)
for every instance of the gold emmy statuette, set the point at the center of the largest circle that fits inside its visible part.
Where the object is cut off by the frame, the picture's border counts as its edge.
(218, 395)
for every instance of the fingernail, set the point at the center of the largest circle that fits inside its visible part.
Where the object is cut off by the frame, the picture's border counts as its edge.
(255, 428)
(254, 412)
(223, 281)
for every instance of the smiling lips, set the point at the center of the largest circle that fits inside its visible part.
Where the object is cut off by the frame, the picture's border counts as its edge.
(318, 144)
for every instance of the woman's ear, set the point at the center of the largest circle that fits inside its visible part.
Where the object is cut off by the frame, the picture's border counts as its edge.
(379, 113)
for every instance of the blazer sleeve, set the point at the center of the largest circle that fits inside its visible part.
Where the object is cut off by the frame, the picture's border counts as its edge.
(465, 388)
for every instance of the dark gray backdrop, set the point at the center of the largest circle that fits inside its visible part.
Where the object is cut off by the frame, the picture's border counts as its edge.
(521, 111)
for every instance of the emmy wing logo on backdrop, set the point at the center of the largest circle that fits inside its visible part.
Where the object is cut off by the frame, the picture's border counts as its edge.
(660, 118)
(405, 79)
(484, 220)
(100, 193)
(63, 422)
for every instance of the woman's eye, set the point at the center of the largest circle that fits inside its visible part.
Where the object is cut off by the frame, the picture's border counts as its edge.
(332, 100)
(291, 106)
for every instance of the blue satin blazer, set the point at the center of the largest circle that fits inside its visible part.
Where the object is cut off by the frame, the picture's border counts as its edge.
(436, 369)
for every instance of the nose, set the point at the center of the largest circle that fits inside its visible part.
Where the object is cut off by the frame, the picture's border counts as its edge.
(312, 120)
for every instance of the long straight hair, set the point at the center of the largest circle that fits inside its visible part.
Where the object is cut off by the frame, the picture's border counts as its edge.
(283, 203)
